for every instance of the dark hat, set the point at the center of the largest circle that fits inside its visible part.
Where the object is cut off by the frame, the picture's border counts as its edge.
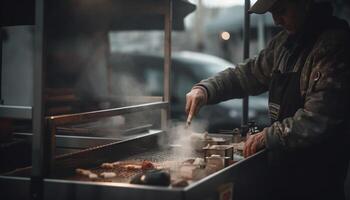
(261, 6)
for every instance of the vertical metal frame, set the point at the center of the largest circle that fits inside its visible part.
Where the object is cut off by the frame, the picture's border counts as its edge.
(1, 100)
(246, 37)
(38, 107)
(45, 128)
(40, 156)
(165, 113)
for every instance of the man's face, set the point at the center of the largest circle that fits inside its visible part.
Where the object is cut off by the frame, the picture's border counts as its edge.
(288, 14)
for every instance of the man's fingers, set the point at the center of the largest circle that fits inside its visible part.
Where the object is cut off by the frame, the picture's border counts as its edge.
(253, 148)
(188, 105)
(193, 107)
(246, 149)
(250, 146)
(248, 153)
(194, 100)
(253, 144)
(195, 104)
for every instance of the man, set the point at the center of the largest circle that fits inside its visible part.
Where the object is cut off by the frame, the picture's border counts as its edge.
(306, 69)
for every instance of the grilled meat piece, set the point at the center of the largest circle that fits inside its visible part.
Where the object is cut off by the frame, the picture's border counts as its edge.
(147, 165)
(152, 177)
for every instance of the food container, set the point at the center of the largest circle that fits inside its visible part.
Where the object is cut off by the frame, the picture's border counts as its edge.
(216, 163)
(201, 140)
(221, 150)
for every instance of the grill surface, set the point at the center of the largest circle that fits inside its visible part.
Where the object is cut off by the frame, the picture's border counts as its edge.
(168, 159)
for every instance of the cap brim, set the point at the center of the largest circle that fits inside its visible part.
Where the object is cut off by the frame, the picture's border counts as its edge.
(261, 6)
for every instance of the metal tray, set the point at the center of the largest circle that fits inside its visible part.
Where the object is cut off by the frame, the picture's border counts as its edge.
(242, 180)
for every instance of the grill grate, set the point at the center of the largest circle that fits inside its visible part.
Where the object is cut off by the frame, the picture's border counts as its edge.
(167, 158)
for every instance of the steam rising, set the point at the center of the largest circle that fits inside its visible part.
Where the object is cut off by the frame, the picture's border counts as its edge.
(79, 51)
(180, 137)
(183, 140)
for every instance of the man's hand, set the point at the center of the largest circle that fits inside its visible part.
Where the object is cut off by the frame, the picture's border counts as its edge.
(195, 99)
(254, 143)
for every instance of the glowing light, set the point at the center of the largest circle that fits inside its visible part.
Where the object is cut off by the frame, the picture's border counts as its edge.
(225, 35)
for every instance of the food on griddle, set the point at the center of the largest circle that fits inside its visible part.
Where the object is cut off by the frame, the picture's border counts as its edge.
(110, 165)
(201, 140)
(108, 174)
(83, 171)
(222, 150)
(183, 171)
(215, 163)
(87, 173)
(199, 162)
(132, 167)
(147, 165)
(187, 171)
(192, 169)
(93, 176)
(191, 172)
(152, 177)
(107, 166)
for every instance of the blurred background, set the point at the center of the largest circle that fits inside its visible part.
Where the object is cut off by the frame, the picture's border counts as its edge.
(95, 63)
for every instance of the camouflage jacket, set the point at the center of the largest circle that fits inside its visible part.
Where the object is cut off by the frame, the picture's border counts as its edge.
(324, 84)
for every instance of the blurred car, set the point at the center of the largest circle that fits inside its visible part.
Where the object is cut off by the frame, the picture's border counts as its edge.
(144, 73)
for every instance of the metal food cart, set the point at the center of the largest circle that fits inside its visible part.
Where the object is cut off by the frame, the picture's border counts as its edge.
(46, 178)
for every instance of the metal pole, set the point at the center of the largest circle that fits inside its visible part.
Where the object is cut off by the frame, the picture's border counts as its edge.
(246, 37)
(1, 100)
(76, 118)
(167, 63)
(39, 145)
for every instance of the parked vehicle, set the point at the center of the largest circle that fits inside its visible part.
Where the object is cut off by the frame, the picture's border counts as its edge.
(187, 69)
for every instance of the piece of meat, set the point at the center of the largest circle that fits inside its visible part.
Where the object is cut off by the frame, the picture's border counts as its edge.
(152, 177)
(108, 174)
(107, 166)
(83, 171)
(147, 165)
(110, 165)
(93, 176)
(199, 162)
(215, 163)
(87, 173)
(187, 171)
(132, 167)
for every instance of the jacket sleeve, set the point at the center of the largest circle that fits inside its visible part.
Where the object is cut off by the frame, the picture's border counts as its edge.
(326, 100)
(248, 78)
